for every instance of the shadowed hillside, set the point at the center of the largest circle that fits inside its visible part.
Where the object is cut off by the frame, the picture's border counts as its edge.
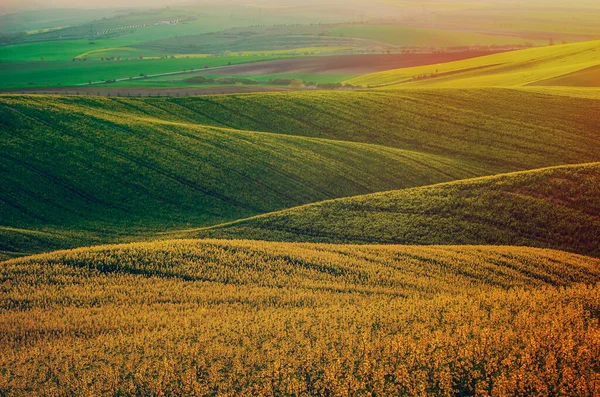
(77, 174)
(261, 319)
(555, 207)
(113, 169)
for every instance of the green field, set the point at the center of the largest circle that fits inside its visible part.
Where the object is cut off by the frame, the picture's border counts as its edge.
(64, 50)
(553, 207)
(174, 166)
(431, 231)
(510, 69)
(52, 74)
(318, 146)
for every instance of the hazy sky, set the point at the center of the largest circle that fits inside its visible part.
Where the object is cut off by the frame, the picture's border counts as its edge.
(84, 4)
(17, 5)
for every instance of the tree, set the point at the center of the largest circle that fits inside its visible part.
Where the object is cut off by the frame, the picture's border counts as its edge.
(297, 83)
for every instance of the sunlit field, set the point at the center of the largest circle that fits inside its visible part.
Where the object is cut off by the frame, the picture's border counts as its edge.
(553, 207)
(300, 198)
(511, 69)
(252, 318)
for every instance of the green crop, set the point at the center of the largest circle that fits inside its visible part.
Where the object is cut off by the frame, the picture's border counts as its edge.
(554, 207)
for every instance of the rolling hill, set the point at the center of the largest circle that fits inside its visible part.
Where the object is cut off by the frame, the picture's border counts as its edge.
(509, 69)
(261, 319)
(399, 35)
(116, 169)
(555, 207)
(436, 233)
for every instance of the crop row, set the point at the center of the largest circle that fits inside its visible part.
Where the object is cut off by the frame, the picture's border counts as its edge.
(273, 319)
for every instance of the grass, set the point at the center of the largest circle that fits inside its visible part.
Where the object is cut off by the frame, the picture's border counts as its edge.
(488, 126)
(59, 50)
(52, 74)
(509, 69)
(554, 207)
(116, 169)
(423, 37)
(465, 310)
(262, 319)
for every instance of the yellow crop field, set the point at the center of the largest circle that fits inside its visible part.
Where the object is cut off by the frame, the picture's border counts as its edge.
(208, 317)
(509, 69)
(224, 200)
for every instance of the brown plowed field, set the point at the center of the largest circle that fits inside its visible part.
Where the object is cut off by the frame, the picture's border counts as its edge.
(344, 64)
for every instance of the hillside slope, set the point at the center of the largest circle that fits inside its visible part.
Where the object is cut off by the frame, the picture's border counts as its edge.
(104, 175)
(510, 69)
(263, 319)
(116, 169)
(554, 207)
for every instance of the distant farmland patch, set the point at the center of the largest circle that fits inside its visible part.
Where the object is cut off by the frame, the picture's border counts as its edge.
(349, 64)
(423, 37)
(508, 69)
(589, 77)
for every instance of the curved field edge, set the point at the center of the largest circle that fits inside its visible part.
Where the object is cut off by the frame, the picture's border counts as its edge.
(367, 267)
(124, 169)
(510, 69)
(111, 174)
(262, 319)
(557, 207)
(589, 77)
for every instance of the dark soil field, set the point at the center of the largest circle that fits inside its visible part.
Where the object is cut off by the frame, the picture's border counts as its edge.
(589, 77)
(346, 64)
